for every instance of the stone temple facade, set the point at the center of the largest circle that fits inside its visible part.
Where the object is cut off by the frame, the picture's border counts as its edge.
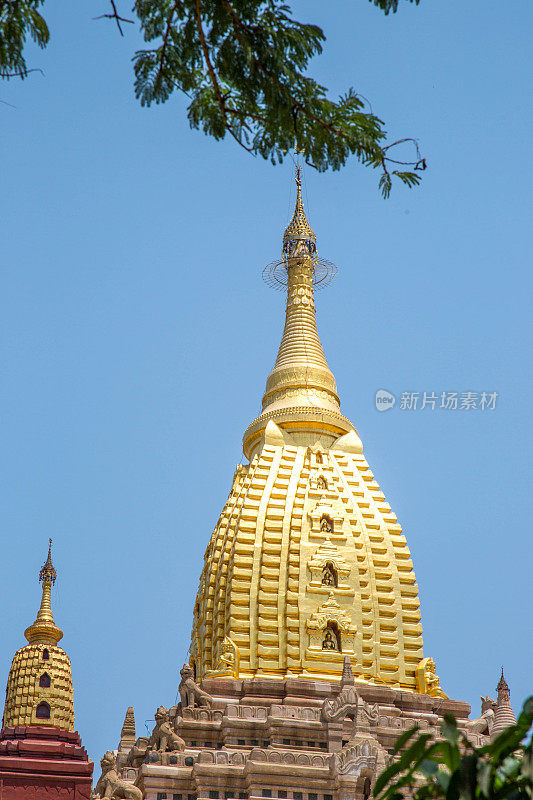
(284, 738)
(306, 659)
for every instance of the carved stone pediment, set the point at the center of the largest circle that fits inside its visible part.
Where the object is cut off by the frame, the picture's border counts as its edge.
(368, 713)
(344, 705)
(361, 753)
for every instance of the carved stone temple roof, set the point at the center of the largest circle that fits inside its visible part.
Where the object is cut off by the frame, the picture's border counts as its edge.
(279, 738)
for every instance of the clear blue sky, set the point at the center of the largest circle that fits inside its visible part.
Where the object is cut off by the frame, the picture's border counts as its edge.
(137, 336)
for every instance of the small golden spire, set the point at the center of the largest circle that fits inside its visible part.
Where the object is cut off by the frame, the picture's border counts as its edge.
(44, 630)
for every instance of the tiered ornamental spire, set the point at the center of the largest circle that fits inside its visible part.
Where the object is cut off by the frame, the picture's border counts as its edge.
(39, 687)
(307, 563)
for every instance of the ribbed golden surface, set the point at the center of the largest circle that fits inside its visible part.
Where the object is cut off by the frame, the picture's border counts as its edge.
(262, 584)
(24, 694)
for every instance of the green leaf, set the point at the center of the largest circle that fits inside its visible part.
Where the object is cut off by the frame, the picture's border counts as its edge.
(527, 764)
(468, 777)
(443, 779)
(428, 767)
(449, 729)
(484, 777)
(454, 785)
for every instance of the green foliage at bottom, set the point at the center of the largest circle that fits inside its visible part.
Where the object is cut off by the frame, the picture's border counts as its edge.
(453, 769)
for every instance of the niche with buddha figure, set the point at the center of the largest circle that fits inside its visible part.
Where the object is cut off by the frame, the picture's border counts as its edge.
(332, 638)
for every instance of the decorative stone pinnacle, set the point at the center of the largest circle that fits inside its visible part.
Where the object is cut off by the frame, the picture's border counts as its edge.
(503, 685)
(128, 728)
(504, 714)
(127, 734)
(347, 673)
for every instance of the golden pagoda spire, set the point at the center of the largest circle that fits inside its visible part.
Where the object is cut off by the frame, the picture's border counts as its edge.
(307, 565)
(44, 630)
(301, 394)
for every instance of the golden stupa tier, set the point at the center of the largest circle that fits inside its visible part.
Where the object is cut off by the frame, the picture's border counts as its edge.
(39, 688)
(307, 564)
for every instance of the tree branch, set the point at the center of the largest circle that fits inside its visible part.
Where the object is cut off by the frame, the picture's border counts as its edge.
(21, 74)
(116, 16)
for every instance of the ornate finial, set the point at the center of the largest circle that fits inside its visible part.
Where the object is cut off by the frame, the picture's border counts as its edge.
(48, 570)
(502, 684)
(299, 241)
(129, 722)
(299, 238)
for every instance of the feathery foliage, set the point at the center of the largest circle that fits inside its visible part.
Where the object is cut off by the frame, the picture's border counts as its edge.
(18, 20)
(243, 64)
